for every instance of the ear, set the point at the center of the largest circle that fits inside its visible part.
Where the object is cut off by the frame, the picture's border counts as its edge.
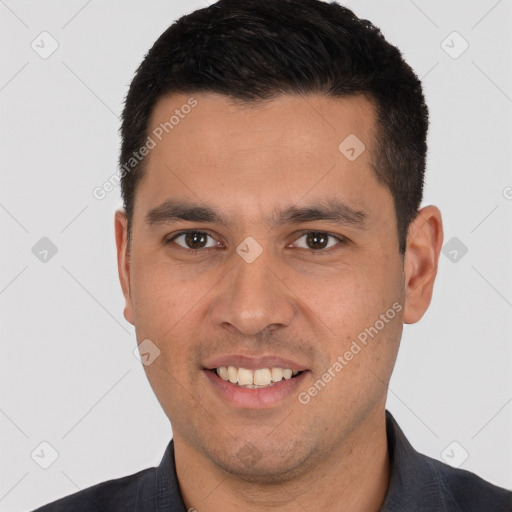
(123, 261)
(424, 241)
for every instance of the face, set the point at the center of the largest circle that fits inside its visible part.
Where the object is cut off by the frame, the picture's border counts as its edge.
(259, 244)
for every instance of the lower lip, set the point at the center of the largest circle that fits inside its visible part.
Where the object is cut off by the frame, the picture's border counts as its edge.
(258, 397)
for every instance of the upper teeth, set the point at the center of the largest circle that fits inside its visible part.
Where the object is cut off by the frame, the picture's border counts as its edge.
(256, 378)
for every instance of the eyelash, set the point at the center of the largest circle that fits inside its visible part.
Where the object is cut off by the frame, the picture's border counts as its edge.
(197, 252)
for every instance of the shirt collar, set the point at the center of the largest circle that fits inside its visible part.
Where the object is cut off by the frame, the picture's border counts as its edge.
(168, 497)
(414, 481)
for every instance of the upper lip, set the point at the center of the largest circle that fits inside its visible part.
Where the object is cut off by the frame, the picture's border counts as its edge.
(254, 363)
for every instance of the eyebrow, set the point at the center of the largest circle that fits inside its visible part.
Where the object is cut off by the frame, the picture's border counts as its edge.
(334, 211)
(171, 211)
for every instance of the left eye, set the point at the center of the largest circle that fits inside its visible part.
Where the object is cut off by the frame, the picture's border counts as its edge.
(316, 240)
(194, 240)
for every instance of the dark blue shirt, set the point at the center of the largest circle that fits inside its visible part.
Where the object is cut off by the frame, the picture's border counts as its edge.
(417, 484)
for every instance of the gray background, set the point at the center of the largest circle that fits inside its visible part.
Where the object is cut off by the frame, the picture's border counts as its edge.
(68, 373)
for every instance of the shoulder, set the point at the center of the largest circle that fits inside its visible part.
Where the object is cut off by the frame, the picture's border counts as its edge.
(150, 489)
(119, 494)
(468, 491)
(423, 484)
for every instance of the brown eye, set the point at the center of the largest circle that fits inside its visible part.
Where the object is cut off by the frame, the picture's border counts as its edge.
(316, 240)
(194, 240)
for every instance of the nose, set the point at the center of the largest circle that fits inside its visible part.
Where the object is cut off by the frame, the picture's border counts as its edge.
(253, 297)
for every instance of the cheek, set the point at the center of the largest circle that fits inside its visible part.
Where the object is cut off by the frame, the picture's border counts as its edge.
(349, 300)
(170, 308)
(361, 314)
(164, 308)
(161, 295)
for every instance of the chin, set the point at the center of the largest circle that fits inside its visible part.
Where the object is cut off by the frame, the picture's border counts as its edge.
(263, 463)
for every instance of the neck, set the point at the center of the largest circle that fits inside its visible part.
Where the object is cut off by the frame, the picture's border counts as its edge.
(353, 477)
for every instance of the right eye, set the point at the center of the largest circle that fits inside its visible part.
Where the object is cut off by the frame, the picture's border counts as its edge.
(193, 240)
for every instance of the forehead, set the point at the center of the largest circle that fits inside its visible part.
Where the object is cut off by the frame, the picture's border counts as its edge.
(287, 121)
(208, 146)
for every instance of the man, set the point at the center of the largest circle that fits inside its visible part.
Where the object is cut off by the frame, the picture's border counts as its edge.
(270, 249)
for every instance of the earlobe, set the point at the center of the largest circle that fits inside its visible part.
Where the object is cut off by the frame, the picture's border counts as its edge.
(424, 241)
(123, 261)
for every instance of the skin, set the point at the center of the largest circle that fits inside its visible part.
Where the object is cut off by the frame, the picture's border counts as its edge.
(295, 300)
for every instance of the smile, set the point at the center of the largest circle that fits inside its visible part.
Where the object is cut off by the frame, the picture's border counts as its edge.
(252, 379)
(258, 388)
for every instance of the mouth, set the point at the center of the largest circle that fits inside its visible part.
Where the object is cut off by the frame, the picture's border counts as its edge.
(261, 388)
(255, 379)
